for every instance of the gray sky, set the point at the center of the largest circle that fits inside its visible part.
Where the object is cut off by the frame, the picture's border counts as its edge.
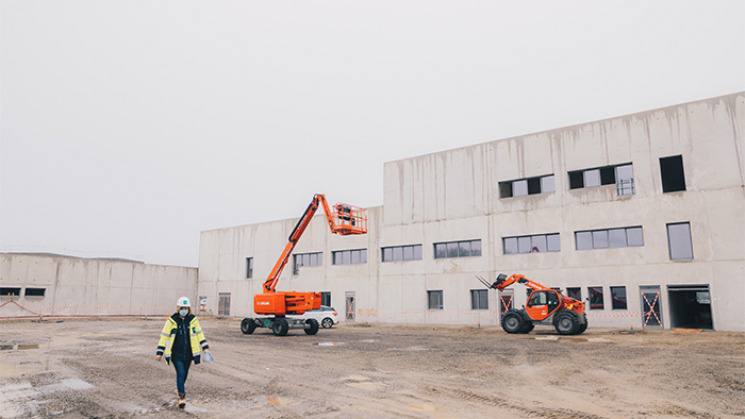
(127, 127)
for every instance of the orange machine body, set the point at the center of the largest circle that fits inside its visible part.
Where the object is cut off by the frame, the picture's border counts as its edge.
(343, 219)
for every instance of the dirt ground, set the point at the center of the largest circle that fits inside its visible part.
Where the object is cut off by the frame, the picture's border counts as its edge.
(107, 369)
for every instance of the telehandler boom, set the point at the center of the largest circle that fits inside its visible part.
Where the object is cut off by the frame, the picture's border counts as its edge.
(344, 220)
(545, 306)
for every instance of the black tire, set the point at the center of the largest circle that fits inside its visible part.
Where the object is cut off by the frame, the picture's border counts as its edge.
(512, 322)
(313, 329)
(280, 327)
(327, 323)
(582, 326)
(566, 322)
(527, 326)
(248, 326)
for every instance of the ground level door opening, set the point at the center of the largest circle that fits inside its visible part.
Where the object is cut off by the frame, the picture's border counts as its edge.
(223, 305)
(690, 306)
(351, 303)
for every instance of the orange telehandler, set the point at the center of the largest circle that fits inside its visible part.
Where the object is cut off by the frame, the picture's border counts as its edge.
(344, 219)
(545, 306)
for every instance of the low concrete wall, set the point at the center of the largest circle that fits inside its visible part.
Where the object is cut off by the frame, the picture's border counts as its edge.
(80, 287)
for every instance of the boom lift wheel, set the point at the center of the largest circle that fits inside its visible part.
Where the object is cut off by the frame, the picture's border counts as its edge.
(280, 326)
(566, 323)
(582, 326)
(248, 326)
(313, 329)
(512, 322)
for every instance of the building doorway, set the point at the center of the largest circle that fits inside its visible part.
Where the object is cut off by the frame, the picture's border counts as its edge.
(690, 306)
(505, 301)
(223, 306)
(651, 306)
(351, 304)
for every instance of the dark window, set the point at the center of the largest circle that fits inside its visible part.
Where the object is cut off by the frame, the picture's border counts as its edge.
(402, 253)
(679, 241)
(622, 175)
(529, 186)
(671, 169)
(5, 291)
(34, 292)
(607, 175)
(223, 305)
(505, 189)
(618, 294)
(249, 267)
(434, 300)
(463, 248)
(596, 298)
(576, 180)
(575, 292)
(479, 299)
(325, 298)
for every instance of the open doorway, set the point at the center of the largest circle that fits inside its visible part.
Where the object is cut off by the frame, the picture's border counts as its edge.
(690, 306)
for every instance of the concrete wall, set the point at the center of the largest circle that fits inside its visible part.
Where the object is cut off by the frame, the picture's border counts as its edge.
(75, 286)
(454, 195)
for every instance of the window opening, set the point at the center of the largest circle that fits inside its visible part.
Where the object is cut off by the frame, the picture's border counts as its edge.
(596, 298)
(434, 300)
(249, 267)
(34, 292)
(673, 177)
(479, 299)
(618, 295)
(679, 241)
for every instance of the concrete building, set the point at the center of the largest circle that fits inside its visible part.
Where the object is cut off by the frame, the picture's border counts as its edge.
(643, 215)
(55, 285)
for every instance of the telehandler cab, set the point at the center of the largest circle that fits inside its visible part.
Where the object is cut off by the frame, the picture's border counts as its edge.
(545, 306)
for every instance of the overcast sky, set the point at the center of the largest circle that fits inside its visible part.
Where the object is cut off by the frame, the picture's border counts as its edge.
(128, 127)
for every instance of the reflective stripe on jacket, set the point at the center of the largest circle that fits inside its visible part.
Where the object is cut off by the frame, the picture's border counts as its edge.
(168, 334)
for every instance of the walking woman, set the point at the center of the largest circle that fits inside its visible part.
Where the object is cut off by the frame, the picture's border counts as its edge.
(182, 341)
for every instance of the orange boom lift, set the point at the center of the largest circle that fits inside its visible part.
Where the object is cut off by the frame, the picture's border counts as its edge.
(545, 306)
(344, 220)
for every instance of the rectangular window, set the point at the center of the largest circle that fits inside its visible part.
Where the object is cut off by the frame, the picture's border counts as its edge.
(223, 304)
(537, 243)
(679, 241)
(622, 175)
(574, 292)
(673, 178)
(249, 267)
(349, 257)
(326, 298)
(458, 249)
(12, 291)
(529, 186)
(479, 299)
(618, 294)
(34, 292)
(596, 298)
(306, 259)
(613, 238)
(402, 253)
(434, 299)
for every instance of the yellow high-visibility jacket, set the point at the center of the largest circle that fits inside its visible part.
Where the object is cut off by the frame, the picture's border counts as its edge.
(168, 334)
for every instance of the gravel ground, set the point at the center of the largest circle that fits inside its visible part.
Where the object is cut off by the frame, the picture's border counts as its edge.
(107, 369)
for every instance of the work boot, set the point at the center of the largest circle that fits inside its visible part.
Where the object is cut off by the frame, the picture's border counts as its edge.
(181, 400)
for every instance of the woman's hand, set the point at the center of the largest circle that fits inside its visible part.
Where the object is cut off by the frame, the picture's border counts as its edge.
(158, 357)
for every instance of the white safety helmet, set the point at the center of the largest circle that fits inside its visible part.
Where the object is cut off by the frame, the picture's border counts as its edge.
(183, 302)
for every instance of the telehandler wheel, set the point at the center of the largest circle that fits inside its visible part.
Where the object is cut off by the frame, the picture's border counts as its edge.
(527, 326)
(566, 322)
(248, 326)
(512, 322)
(280, 327)
(313, 329)
(582, 326)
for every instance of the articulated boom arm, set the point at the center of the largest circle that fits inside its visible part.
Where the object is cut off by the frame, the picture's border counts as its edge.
(503, 282)
(344, 219)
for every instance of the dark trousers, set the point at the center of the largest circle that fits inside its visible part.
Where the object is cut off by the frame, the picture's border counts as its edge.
(182, 371)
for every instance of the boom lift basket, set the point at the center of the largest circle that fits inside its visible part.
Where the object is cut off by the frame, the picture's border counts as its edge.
(349, 219)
